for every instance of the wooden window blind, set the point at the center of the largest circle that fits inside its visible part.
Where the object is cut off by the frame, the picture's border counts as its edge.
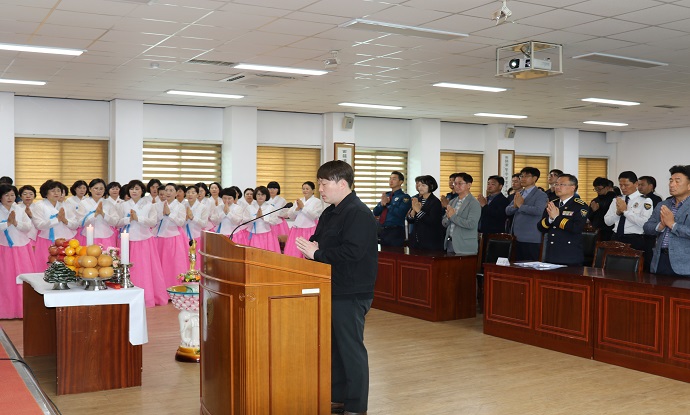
(373, 170)
(65, 160)
(588, 170)
(181, 163)
(289, 166)
(472, 164)
(540, 162)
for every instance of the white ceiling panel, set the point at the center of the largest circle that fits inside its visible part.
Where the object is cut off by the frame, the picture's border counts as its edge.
(350, 9)
(236, 21)
(282, 4)
(612, 8)
(520, 10)
(407, 15)
(136, 24)
(162, 11)
(99, 7)
(649, 34)
(449, 6)
(605, 27)
(559, 19)
(658, 15)
(91, 20)
(244, 9)
(298, 27)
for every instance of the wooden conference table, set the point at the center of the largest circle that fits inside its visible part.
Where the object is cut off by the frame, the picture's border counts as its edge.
(96, 336)
(640, 322)
(429, 285)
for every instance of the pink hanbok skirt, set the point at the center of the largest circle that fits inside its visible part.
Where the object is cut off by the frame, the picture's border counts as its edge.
(41, 253)
(241, 237)
(266, 240)
(81, 238)
(146, 271)
(295, 232)
(16, 260)
(280, 229)
(174, 255)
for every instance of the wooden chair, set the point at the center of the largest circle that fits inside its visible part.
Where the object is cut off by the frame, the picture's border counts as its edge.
(543, 247)
(590, 237)
(623, 259)
(599, 249)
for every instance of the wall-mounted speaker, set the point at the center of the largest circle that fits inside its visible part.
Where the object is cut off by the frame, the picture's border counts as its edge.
(348, 123)
(510, 132)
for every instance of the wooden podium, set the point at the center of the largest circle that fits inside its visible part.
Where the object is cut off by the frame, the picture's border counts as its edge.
(265, 331)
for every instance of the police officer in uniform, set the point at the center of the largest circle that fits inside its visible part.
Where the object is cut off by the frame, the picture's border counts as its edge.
(564, 220)
(391, 212)
(629, 213)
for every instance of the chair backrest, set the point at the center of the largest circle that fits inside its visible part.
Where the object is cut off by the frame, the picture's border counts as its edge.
(623, 259)
(599, 249)
(498, 245)
(590, 237)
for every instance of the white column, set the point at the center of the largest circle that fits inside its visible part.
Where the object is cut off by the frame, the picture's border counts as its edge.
(495, 139)
(7, 134)
(614, 137)
(126, 140)
(424, 155)
(239, 147)
(566, 154)
(333, 132)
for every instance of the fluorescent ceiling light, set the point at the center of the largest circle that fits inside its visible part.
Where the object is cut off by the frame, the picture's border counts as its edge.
(380, 107)
(610, 101)
(41, 49)
(612, 124)
(486, 114)
(398, 29)
(20, 82)
(619, 60)
(280, 69)
(204, 94)
(470, 87)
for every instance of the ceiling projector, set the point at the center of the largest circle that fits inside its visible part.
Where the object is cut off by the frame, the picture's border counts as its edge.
(521, 64)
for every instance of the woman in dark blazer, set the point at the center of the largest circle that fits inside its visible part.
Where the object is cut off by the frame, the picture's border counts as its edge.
(425, 217)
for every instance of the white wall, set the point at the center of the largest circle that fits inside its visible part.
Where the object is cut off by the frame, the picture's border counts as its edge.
(50, 117)
(289, 128)
(463, 137)
(180, 123)
(534, 141)
(382, 133)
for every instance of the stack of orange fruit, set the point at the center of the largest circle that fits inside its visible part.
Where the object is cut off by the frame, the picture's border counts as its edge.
(88, 261)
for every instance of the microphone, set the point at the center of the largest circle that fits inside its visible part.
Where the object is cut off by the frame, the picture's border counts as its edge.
(287, 206)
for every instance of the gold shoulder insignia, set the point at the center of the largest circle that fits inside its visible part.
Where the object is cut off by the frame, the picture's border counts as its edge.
(562, 224)
(580, 201)
(406, 199)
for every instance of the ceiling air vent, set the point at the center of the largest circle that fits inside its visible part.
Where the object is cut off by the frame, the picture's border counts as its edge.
(592, 107)
(258, 80)
(667, 107)
(206, 62)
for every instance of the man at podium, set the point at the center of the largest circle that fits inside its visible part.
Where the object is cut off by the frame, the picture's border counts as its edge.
(346, 238)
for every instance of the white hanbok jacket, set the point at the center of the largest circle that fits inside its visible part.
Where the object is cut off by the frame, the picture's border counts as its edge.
(14, 235)
(102, 224)
(169, 225)
(139, 230)
(306, 218)
(45, 219)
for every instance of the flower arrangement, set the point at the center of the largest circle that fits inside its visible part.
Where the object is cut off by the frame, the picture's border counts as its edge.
(190, 276)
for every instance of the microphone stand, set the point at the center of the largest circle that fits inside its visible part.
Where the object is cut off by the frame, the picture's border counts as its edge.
(287, 206)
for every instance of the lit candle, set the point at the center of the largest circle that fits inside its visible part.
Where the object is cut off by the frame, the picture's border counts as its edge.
(89, 235)
(124, 248)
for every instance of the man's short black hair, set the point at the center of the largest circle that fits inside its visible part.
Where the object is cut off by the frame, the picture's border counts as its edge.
(628, 175)
(336, 170)
(400, 175)
(533, 171)
(498, 178)
(465, 177)
(557, 171)
(649, 179)
(684, 170)
(516, 175)
(6, 180)
(601, 181)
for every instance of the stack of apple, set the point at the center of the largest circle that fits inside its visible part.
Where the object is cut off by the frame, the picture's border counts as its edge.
(87, 261)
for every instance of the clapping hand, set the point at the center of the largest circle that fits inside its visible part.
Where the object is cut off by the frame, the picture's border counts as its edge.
(299, 204)
(482, 200)
(166, 208)
(667, 218)
(99, 209)
(133, 215)
(61, 216)
(621, 206)
(416, 205)
(190, 214)
(450, 211)
(12, 219)
(307, 247)
(385, 199)
(444, 201)
(518, 200)
(552, 210)
(594, 205)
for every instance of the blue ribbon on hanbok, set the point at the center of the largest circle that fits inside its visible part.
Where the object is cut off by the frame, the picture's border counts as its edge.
(86, 217)
(126, 228)
(189, 232)
(10, 242)
(51, 233)
(253, 231)
(159, 227)
(220, 225)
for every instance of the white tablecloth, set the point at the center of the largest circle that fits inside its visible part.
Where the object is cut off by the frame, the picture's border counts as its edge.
(77, 296)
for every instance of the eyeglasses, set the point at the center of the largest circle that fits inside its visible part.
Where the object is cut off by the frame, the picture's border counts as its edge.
(598, 189)
(523, 176)
(563, 184)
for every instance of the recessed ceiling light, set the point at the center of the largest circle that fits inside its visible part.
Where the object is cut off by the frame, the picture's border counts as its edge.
(41, 49)
(619, 60)
(611, 124)
(280, 69)
(611, 101)
(398, 29)
(486, 114)
(380, 107)
(203, 94)
(20, 82)
(470, 87)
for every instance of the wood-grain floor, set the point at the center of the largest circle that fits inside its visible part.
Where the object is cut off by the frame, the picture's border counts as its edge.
(417, 367)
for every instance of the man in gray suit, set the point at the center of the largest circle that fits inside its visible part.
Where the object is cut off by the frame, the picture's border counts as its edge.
(462, 219)
(527, 208)
(670, 222)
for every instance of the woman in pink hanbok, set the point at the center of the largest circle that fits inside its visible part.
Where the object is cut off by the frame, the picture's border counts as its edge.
(100, 214)
(16, 253)
(173, 246)
(139, 216)
(260, 235)
(305, 214)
